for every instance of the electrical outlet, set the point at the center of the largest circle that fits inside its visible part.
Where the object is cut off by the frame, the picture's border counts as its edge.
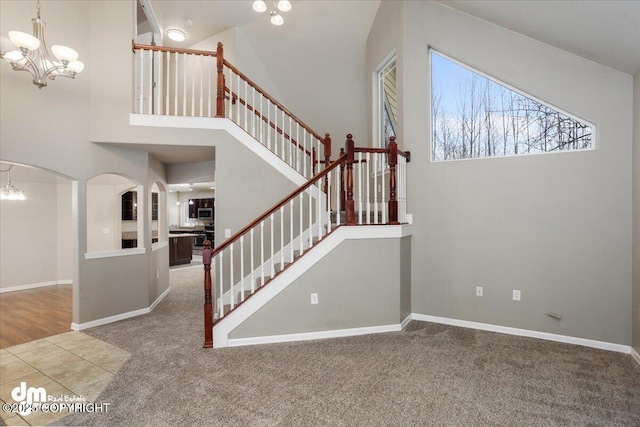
(516, 295)
(314, 298)
(106, 230)
(479, 291)
(227, 233)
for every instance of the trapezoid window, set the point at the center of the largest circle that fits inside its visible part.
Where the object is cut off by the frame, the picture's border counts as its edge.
(474, 116)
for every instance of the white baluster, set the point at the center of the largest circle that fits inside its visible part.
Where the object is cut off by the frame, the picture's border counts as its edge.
(304, 151)
(141, 95)
(253, 115)
(221, 285)
(337, 191)
(262, 252)
(360, 188)
(167, 109)
(184, 92)
(301, 223)
(376, 157)
(310, 218)
(319, 185)
(273, 270)
(261, 121)
(298, 146)
(253, 279)
(233, 296)
(282, 156)
(291, 229)
(383, 195)
(175, 89)
(238, 99)
(269, 124)
(150, 94)
(246, 105)
(201, 84)
(290, 144)
(281, 238)
(328, 198)
(193, 85)
(368, 186)
(241, 268)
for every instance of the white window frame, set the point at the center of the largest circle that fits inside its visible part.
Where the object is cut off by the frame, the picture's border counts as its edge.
(512, 88)
(378, 105)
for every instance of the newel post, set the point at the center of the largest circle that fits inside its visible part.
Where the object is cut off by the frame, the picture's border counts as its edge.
(221, 82)
(208, 308)
(327, 160)
(393, 161)
(349, 203)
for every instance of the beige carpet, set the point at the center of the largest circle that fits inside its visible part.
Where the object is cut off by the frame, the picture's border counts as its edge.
(427, 375)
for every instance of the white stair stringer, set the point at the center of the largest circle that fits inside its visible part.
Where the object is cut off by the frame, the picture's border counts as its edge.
(224, 124)
(242, 312)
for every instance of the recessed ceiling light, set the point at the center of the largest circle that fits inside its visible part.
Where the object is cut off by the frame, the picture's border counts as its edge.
(176, 35)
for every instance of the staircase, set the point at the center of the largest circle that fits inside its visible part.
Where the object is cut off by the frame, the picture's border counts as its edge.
(363, 186)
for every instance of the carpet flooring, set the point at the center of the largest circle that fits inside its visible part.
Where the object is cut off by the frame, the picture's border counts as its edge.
(428, 374)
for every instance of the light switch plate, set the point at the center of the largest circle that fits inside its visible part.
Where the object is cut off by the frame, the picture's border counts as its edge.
(227, 233)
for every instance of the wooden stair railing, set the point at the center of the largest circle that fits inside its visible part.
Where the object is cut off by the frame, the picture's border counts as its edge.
(277, 238)
(196, 83)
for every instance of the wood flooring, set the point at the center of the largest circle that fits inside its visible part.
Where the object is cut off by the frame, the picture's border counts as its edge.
(32, 314)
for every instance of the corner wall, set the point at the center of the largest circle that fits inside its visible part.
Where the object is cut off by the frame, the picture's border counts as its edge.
(636, 211)
(358, 285)
(556, 226)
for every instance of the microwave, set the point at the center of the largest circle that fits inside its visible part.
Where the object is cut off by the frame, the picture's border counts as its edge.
(205, 213)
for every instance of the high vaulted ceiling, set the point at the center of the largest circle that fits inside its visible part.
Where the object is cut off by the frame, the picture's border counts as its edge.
(604, 31)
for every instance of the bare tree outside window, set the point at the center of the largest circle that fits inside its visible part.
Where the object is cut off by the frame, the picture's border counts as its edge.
(475, 117)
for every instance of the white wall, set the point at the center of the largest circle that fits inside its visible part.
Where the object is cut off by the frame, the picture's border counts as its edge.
(504, 223)
(35, 243)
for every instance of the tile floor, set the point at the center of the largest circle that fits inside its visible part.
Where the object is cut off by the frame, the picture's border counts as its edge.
(71, 364)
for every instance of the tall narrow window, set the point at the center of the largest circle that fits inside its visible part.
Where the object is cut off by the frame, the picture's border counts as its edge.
(387, 103)
(474, 116)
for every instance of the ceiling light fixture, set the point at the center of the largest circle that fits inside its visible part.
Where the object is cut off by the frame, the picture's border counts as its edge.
(32, 55)
(278, 6)
(176, 35)
(9, 192)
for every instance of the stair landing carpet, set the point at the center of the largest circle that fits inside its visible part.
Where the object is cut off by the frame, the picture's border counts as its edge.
(428, 374)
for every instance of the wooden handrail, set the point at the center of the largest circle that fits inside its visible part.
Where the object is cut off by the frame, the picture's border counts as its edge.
(273, 101)
(278, 205)
(135, 46)
(405, 154)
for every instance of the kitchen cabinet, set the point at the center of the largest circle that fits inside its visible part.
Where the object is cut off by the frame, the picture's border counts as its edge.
(180, 248)
(200, 203)
(154, 206)
(130, 206)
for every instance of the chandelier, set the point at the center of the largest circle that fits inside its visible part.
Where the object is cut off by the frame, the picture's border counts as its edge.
(9, 192)
(278, 6)
(32, 55)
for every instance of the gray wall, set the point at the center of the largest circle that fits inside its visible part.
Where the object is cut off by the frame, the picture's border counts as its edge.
(557, 227)
(636, 211)
(36, 241)
(180, 173)
(242, 196)
(358, 285)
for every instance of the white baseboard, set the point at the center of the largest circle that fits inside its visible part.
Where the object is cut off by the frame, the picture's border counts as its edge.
(405, 322)
(306, 336)
(620, 348)
(35, 285)
(117, 317)
(160, 298)
(635, 355)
